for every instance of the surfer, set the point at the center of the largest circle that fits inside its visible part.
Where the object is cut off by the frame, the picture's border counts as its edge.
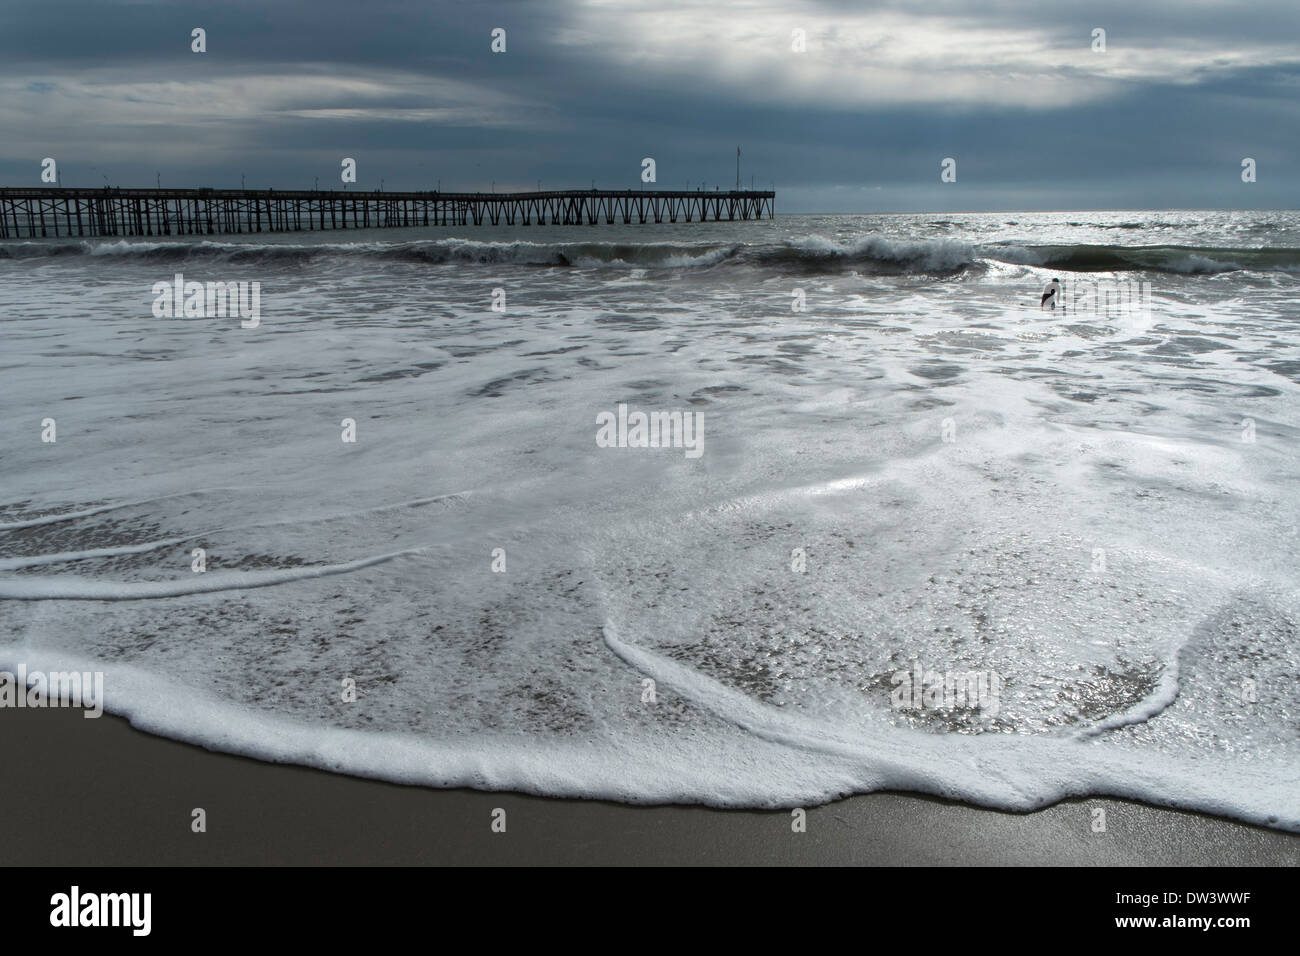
(1051, 295)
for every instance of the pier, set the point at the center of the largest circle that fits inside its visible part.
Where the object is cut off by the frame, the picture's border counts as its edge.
(52, 212)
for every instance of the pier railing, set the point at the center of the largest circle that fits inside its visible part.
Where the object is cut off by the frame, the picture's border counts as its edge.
(58, 211)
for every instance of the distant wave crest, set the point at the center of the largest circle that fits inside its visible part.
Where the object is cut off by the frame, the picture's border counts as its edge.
(1184, 260)
(870, 254)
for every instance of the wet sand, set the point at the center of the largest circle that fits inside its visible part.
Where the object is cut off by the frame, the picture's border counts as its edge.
(80, 792)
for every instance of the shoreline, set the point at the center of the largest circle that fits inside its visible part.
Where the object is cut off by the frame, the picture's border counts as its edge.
(106, 793)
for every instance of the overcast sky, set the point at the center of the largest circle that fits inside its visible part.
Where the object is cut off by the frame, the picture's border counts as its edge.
(860, 121)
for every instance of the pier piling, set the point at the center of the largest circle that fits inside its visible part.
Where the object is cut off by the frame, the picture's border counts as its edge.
(58, 212)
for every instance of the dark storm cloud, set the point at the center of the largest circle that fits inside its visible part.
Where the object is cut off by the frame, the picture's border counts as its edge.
(860, 121)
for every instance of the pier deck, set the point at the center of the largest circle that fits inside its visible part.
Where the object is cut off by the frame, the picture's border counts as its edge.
(59, 211)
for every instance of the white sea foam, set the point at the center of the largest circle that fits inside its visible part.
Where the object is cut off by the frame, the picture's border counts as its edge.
(1061, 501)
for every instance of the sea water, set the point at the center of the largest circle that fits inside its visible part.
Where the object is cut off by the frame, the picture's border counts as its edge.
(937, 538)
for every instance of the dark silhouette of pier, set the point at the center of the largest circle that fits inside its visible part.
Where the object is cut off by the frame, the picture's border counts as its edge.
(57, 211)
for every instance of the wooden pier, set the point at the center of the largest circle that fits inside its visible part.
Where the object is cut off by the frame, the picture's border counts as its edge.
(52, 212)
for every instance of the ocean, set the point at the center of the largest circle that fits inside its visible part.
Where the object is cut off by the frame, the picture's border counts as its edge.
(751, 514)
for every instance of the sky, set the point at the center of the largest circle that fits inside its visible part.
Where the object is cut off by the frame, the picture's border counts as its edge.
(1036, 113)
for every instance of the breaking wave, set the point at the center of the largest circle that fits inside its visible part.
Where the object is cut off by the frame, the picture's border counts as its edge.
(870, 254)
(1183, 260)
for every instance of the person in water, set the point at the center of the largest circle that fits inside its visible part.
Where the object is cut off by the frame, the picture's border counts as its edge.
(1051, 295)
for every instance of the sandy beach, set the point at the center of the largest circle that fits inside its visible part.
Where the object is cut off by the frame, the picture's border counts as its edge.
(99, 792)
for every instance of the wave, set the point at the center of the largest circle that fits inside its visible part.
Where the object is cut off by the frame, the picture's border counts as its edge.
(811, 253)
(71, 588)
(1182, 260)
(878, 254)
(639, 255)
(872, 254)
(433, 252)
